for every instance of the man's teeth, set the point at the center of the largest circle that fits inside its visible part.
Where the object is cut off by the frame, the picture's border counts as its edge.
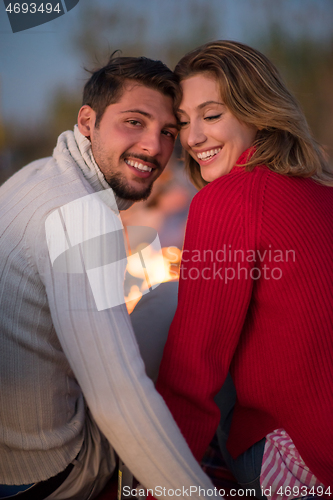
(208, 154)
(138, 166)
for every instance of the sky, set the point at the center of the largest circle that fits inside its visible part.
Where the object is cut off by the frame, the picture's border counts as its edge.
(35, 62)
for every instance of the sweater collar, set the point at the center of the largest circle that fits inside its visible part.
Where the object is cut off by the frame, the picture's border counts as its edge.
(245, 157)
(79, 148)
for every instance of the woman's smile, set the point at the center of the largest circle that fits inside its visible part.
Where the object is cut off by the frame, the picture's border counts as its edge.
(210, 133)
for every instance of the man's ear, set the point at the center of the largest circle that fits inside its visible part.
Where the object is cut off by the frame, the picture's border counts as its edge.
(86, 120)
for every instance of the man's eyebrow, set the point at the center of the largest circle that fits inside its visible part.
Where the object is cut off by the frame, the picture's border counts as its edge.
(203, 105)
(148, 115)
(172, 125)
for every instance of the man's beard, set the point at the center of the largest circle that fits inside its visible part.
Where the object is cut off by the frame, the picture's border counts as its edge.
(116, 180)
(123, 190)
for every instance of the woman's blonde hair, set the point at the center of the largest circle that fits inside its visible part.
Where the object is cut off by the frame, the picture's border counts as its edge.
(255, 93)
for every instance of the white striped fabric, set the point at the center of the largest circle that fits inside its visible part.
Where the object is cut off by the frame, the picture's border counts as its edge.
(284, 474)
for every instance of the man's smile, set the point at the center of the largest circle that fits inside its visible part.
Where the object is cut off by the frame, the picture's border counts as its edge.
(138, 166)
(141, 164)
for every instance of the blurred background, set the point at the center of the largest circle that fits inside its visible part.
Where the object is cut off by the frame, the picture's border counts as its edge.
(42, 75)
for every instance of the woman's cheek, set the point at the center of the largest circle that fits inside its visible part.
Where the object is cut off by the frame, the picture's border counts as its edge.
(183, 139)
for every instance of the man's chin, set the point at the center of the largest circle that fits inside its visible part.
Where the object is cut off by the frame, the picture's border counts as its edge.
(127, 192)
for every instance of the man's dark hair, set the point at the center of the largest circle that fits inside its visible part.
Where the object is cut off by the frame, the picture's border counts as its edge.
(106, 84)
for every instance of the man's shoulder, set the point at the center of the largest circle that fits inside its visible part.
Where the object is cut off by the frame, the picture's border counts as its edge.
(37, 190)
(24, 175)
(44, 181)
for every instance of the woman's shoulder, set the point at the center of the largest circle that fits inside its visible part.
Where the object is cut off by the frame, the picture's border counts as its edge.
(231, 187)
(260, 181)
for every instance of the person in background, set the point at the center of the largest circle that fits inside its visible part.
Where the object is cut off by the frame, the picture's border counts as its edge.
(256, 282)
(73, 384)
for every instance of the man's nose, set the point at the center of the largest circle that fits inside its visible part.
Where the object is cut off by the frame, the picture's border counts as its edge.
(151, 143)
(196, 134)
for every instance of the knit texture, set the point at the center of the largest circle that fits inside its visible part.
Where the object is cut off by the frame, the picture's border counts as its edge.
(265, 313)
(59, 353)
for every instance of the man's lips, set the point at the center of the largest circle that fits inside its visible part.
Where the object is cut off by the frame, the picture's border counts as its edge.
(142, 165)
(150, 161)
(139, 168)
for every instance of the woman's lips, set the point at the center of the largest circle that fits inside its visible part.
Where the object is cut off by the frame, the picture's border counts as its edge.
(207, 156)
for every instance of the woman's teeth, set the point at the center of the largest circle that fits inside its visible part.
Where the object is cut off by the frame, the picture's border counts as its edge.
(206, 155)
(138, 166)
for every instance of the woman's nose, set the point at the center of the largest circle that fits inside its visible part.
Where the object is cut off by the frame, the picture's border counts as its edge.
(195, 135)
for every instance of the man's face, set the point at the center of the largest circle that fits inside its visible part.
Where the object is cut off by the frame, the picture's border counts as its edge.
(135, 140)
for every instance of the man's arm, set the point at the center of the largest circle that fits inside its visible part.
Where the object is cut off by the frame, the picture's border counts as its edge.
(102, 351)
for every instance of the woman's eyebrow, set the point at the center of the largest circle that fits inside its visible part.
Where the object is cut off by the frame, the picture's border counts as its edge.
(202, 105)
(206, 103)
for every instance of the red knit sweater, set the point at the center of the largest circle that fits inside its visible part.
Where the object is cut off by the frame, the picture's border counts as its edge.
(274, 330)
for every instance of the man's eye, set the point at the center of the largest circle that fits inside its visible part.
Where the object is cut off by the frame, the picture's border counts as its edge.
(134, 122)
(214, 117)
(168, 134)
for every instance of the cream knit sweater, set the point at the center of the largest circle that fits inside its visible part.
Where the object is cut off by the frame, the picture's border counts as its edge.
(58, 351)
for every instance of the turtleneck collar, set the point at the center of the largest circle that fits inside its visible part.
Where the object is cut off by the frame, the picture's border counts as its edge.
(94, 176)
(79, 148)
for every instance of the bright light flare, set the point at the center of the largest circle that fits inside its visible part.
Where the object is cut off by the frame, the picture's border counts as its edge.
(157, 273)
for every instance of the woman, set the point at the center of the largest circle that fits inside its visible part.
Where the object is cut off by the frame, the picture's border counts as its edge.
(255, 294)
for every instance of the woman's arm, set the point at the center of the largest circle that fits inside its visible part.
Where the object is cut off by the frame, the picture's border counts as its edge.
(214, 296)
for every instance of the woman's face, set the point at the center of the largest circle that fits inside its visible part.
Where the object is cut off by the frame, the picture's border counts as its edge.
(209, 131)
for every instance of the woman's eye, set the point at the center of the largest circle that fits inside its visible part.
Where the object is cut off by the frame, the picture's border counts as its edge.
(214, 117)
(182, 124)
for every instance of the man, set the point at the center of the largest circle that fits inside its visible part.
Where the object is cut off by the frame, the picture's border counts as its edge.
(73, 385)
